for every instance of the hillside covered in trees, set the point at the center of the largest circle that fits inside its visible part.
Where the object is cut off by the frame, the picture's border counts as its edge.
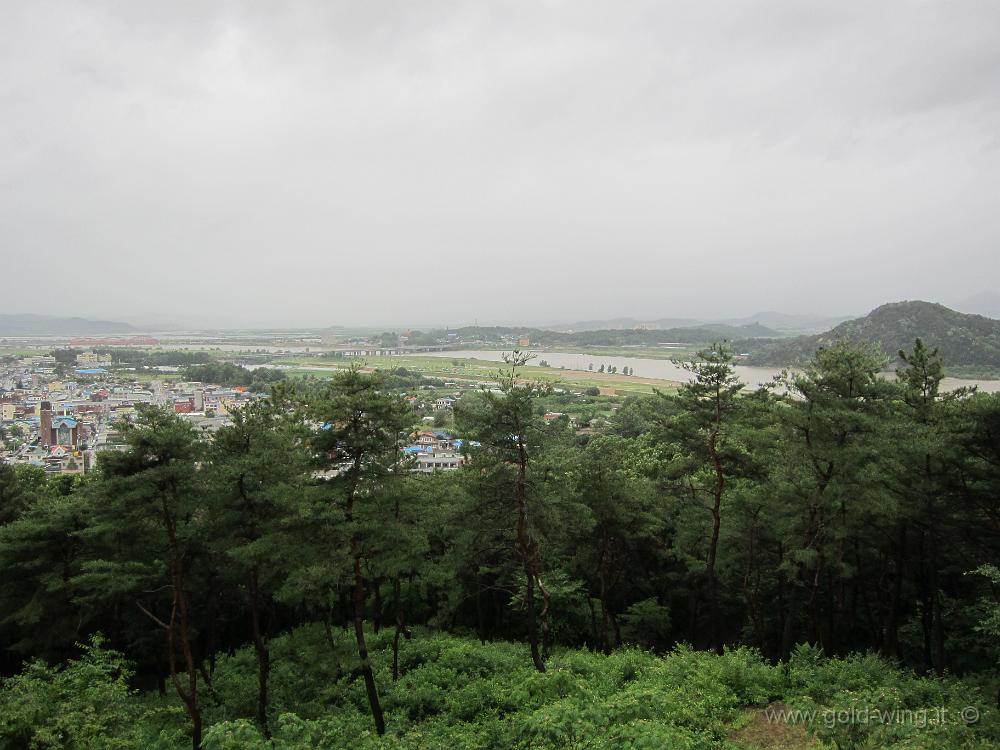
(809, 566)
(969, 343)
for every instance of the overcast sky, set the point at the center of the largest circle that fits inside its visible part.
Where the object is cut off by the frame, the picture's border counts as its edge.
(384, 162)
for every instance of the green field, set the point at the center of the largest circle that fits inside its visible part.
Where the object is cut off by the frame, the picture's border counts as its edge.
(480, 370)
(24, 351)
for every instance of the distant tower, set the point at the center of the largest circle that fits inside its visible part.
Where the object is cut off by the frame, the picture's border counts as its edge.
(45, 424)
(199, 400)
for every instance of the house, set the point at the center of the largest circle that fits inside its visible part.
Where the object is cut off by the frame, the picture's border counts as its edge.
(428, 463)
(425, 437)
(92, 359)
(552, 416)
(444, 439)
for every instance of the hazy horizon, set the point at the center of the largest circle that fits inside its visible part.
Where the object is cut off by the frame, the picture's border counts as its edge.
(319, 164)
(808, 321)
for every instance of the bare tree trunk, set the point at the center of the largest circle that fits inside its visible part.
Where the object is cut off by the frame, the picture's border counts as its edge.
(937, 624)
(594, 639)
(536, 656)
(529, 555)
(791, 615)
(328, 628)
(751, 588)
(179, 617)
(377, 605)
(263, 653)
(713, 545)
(480, 626)
(359, 634)
(401, 629)
(188, 696)
(544, 617)
(891, 638)
(605, 609)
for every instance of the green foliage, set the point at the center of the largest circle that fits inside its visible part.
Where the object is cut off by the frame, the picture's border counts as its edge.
(85, 703)
(990, 624)
(458, 693)
(861, 702)
(19, 485)
(647, 622)
(225, 373)
(153, 358)
(40, 553)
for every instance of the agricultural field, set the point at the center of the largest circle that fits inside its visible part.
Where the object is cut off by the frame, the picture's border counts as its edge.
(480, 370)
(24, 351)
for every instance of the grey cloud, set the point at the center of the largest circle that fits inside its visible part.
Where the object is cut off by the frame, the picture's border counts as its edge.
(335, 162)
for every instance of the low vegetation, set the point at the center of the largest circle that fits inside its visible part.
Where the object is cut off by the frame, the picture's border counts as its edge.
(458, 693)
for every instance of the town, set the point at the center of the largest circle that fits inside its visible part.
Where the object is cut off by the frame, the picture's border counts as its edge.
(61, 408)
(61, 418)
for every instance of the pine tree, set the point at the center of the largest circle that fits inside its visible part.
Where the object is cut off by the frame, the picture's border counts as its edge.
(147, 524)
(625, 527)
(510, 433)
(707, 453)
(40, 553)
(358, 444)
(256, 471)
(834, 416)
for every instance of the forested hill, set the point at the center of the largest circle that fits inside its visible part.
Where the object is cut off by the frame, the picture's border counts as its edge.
(970, 342)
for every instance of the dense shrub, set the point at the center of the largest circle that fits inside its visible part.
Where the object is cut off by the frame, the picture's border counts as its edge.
(457, 693)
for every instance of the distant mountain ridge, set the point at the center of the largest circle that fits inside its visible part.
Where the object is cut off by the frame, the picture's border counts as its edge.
(611, 324)
(777, 322)
(613, 336)
(46, 325)
(968, 342)
(790, 323)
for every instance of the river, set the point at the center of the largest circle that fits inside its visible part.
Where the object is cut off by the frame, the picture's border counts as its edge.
(662, 369)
